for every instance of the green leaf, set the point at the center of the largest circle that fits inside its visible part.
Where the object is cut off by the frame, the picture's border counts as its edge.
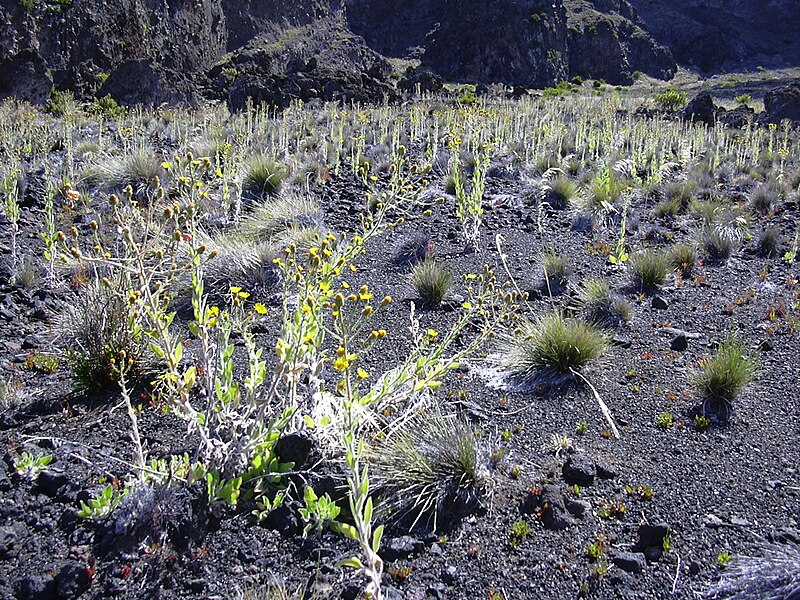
(352, 562)
(376, 538)
(348, 531)
(368, 511)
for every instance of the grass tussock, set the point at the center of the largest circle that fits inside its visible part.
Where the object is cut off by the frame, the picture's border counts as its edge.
(429, 464)
(649, 269)
(598, 304)
(721, 379)
(550, 348)
(432, 281)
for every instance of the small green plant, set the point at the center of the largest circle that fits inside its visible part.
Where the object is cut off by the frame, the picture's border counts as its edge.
(791, 254)
(723, 558)
(601, 306)
(106, 107)
(469, 202)
(744, 99)
(432, 281)
(28, 464)
(701, 422)
(467, 97)
(575, 490)
(720, 380)
(61, 104)
(519, 531)
(102, 504)
(317, 511)
(582, 428)
(641, 491)
(550, 347)
(649, 269)
(9, 186)
(598, 548)
(684, 257)
(670, 99)
(613, 509)
(42, 363)
(665, 420)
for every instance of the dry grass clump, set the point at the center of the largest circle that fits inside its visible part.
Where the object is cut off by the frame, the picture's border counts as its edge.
(95, 332)
(262, 176)
(276, 215)
(138, 170)
(773, 575)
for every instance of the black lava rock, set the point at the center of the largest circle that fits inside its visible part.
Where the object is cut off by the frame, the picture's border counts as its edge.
(605, 470)
(8, 539)
(402, 547)
(554, 514)
(652, 535)
(659, 303)
(72, 580)
(631, 562)
(579, 469)
(35, 587)
(294, 448)
(679, 343)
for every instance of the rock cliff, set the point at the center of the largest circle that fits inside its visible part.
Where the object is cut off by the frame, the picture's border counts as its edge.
(153, 51)
(725, 34)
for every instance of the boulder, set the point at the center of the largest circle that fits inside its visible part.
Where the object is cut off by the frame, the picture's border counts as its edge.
(605, 42)
(701, 109)
(782, 103)
(425, 81)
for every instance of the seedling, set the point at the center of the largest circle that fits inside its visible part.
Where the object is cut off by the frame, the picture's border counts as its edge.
(519, 531)
(665, 420)
(28, 465)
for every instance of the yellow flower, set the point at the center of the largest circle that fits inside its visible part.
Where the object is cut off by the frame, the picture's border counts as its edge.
(260, 308)
(362, 374)
(341, 363)
(432, 334)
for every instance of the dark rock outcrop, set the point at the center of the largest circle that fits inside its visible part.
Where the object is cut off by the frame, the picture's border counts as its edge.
(482, 41)
(716, 34)
(424, 81)
(321, 60)
(141, 82)
(529, 43)
(782, 103)
(611, 44)
(25, 76)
